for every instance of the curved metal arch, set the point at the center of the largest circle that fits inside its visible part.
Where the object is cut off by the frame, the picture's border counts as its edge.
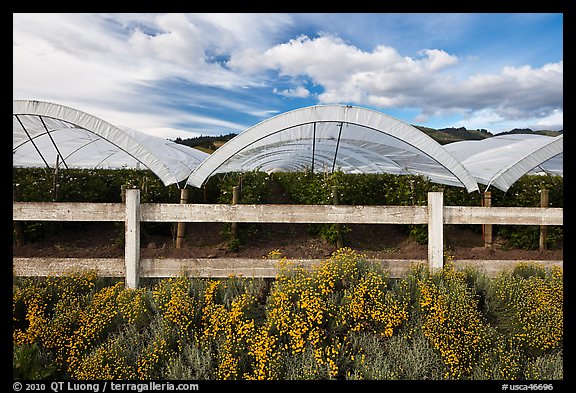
(131, 142)
(370, 119)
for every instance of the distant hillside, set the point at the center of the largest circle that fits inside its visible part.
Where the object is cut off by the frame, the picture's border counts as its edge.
(209, 144)
(529, 131)
(447, 135)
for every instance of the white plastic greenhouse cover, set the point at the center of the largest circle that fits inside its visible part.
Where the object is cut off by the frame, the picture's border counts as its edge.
(335, 137)
(501, 160)
(44, 132)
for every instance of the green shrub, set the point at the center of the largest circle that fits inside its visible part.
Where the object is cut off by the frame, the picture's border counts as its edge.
(528, 308)
(99, 185)
(29, 363)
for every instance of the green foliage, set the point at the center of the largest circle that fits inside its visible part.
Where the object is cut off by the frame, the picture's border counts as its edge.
(29, 363)
(526, 192)
(546, 367)
(92, 185)
(191, 364)
(355, 189)
(528, 306)
(419, 233)
(405, 356)
(254, 187)
(234, 245)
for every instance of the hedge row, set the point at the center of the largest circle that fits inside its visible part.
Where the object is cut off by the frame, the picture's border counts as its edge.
(99, 185)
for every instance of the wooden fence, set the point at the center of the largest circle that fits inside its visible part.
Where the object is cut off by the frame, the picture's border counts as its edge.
(132, 212)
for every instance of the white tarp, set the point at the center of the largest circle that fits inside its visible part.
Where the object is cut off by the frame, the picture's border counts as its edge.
(502, 159)
(335, 137)
(45, 132)
(320, 138)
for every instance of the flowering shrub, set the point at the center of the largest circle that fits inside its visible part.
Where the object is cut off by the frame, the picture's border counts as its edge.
(370, 307)
(177, 305)
(106, 362)
(451, 321)
(226, 332)
(93, 322)
(344, 318)
(531, 308)
(48, 313)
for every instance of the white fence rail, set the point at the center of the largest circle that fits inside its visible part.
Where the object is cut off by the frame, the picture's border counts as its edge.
(435, 215)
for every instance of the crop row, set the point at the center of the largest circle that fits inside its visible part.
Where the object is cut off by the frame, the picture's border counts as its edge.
(100, 185)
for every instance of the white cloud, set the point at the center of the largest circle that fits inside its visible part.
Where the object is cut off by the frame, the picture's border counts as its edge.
(177, 42)
(554, 121)
(121, 48)
(150, 120)
(346, 72)
(385, 79)
(435, 59)
(496, 123)
(299, 91)
(515, 93)
(101, 61)
(480, 119)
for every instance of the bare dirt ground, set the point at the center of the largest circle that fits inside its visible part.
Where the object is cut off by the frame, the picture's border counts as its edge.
(206, 240)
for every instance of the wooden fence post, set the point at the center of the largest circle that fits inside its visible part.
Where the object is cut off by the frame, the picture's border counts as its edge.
(336, 201)
(180, 232)
(235, 201)
(543, 228)
(435, 230)
(487, 228)
(132, 239)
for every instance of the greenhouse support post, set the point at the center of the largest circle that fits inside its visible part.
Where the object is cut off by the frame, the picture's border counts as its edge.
(487, 228)
(543, 228)
(18, 229)
(55, 180)
(235, 201)
(123, 189)
(336, 201)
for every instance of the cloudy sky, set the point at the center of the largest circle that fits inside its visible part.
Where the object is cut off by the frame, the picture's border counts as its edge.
(182, 75)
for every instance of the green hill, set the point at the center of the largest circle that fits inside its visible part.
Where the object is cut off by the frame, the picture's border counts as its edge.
(447, 135)
(209, 144)
(529, 131)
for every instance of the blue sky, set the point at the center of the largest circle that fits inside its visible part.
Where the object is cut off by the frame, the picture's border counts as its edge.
(182, 75)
